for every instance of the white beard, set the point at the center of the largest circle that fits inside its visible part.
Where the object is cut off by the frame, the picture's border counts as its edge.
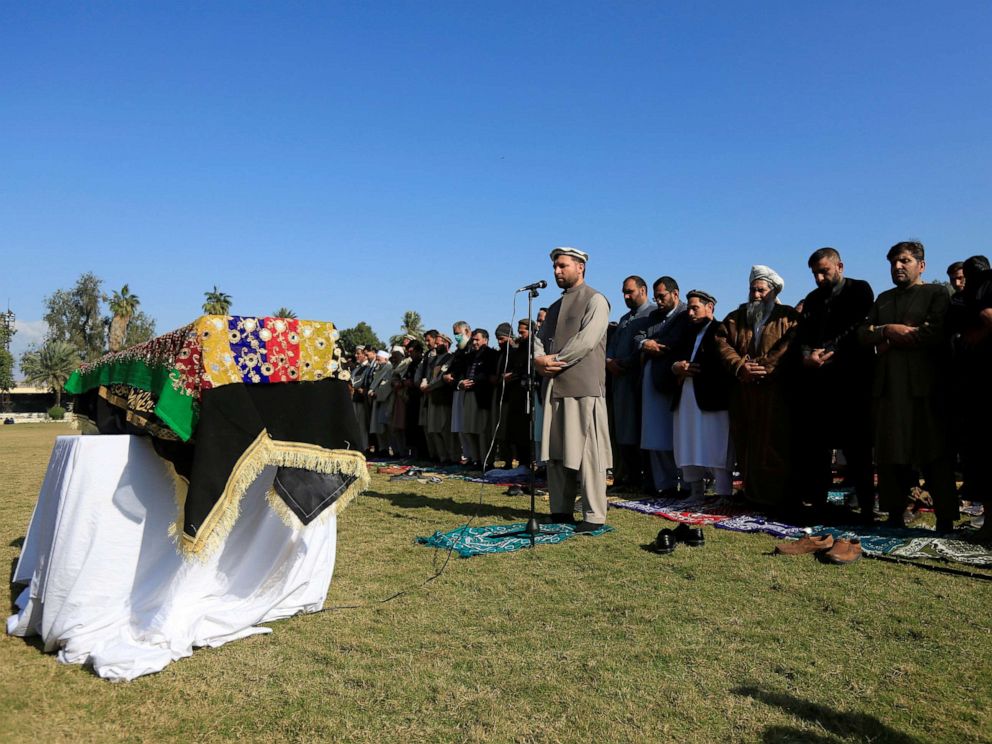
(758, 311)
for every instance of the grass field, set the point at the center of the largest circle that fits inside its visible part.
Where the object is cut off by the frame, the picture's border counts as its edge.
(592, 640)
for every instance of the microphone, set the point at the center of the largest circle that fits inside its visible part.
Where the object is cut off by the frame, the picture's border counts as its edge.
(536, 285)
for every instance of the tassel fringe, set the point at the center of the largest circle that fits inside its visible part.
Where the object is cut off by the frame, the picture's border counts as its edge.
(263, 452)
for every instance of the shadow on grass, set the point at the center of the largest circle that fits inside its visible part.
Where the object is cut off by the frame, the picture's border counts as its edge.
(17, 542)
(438, 503)
(848, 725)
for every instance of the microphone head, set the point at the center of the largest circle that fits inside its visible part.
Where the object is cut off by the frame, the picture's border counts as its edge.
(542, 284)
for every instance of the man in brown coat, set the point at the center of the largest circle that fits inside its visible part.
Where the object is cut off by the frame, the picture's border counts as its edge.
(906, 327)
(754, 343)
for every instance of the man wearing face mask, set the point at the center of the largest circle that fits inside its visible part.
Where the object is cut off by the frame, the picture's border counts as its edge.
(754, 342)
(456, 371)
(570, 354)
(835, 367)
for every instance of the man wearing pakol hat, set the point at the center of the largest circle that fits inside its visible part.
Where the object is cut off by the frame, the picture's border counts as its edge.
(754, 342)
(570, 354)
(701, 399)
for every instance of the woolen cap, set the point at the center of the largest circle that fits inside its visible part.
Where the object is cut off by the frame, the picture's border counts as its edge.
(573, 252)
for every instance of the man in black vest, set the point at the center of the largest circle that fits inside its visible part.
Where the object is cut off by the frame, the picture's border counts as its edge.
(570, 353)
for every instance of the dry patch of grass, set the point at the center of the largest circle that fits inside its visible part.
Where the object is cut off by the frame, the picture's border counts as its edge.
(595, 639)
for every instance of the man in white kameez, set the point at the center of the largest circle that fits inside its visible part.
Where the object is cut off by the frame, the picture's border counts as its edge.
(570, 353)
(702, 400)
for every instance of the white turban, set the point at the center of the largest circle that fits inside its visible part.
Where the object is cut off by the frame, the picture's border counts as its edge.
(382, 354)
(769, 275)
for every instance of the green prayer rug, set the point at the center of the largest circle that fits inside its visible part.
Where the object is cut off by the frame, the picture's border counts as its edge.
(469, 541)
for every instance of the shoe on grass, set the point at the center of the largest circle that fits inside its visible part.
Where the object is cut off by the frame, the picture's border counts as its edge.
(844, 551)
(805, 544)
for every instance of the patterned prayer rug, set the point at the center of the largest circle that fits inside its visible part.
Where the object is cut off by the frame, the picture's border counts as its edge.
(469, 541)
(914, 543)
(690, 510)
(756, 523)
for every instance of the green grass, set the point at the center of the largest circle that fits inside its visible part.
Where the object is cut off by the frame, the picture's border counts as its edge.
(592, 640)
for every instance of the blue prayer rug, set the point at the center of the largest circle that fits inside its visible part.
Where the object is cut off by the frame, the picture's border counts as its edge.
(469, 541)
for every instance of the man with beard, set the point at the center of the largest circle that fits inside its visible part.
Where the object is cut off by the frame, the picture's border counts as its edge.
(359, 399)
(416, 441)
(701, 400)
(477, 383)
(906, 329)
(623, 362)
(511, 394)
(439, 394)
(570, 353)
(754, 342)
(420, 379)
(972, 372)
(667, 324)
(380, 394)
(835, 366)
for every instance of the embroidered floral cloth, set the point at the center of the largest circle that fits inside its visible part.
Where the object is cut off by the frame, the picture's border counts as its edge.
(214, 350)
(225, 397)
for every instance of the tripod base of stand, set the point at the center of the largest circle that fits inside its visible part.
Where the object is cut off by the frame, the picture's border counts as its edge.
(532, 529)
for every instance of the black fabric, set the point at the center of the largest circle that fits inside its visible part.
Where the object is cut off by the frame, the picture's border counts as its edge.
(670, 335)
(233, 416)
(830, 322)
(308, 493)
(482, 371)
(712, 385)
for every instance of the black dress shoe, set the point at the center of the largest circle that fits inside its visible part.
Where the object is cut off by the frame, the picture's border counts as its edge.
(692, 536)
(587, 527)
(664, 543)
(559, 518)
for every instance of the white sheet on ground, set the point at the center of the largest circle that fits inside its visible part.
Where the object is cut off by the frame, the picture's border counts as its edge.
(107, 587)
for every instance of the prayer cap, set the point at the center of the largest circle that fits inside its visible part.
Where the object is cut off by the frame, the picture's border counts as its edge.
(573, 252)
(398, 349)
(382, 354)
(769, 275)
(702, 295)
(504, 329)
(359, 348)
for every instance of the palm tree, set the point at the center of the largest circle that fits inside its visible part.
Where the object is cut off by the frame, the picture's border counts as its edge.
(412, 325)
(284, 312)
(123, 305)
(51, 365)
(218, 303)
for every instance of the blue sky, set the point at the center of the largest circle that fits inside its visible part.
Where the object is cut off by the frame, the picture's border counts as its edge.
(355, 160)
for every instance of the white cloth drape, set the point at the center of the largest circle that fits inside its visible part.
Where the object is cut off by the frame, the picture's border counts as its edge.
(107, 587)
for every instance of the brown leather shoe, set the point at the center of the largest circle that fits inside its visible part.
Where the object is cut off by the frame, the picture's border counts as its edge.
(805, 544)
(844, 551)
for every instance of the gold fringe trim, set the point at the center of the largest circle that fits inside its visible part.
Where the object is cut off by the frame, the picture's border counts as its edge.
(263, 452)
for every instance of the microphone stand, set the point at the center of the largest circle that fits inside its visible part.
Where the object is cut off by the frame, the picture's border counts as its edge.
(532, 529)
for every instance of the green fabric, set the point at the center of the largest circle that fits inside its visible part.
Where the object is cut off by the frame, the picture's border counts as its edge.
(469, 541)
(177, 409)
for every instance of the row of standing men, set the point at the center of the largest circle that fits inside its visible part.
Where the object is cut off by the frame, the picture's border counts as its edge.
(771, 390)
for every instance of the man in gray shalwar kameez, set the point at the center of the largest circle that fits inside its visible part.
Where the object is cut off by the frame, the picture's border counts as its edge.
(570, 353)
(623, 362)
